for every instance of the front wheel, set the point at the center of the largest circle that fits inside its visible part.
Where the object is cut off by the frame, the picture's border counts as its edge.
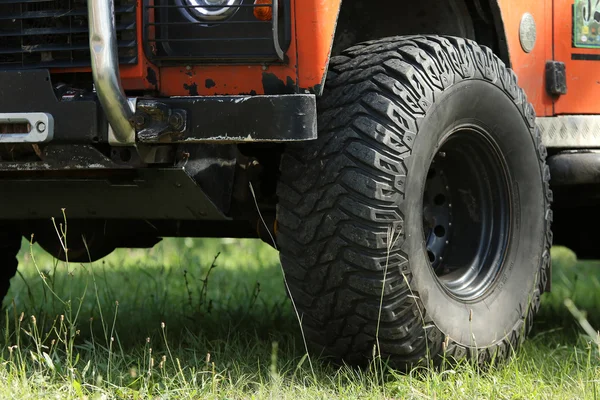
(420, 218)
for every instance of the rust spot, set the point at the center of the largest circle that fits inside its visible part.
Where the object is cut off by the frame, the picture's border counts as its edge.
(209, 83)
(151, 77)
(273, 85)
(192, 89)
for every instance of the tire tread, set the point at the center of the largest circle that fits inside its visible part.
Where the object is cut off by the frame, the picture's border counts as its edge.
(332, 189)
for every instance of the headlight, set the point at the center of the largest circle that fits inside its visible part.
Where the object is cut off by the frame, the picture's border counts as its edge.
(213, 10)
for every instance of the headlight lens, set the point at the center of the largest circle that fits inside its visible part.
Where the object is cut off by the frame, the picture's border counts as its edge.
(213, 10)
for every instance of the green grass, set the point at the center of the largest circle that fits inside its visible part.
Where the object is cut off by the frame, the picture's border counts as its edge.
(163, 323)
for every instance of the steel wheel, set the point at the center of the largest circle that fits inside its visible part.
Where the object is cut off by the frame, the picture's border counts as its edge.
(466, 213)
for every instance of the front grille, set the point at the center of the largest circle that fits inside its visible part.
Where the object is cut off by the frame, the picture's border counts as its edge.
(54, 33)
(172, 34)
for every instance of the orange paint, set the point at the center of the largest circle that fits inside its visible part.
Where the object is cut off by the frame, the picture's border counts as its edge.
(583, 76)
(313, 27)
(313, 24)
(316, 21)
(530, 67)
(313, 21)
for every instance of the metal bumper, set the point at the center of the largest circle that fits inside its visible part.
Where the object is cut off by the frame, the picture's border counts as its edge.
(105, 70)
(81, 118)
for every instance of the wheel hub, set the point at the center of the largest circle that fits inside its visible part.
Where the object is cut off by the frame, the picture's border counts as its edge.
(466, 213)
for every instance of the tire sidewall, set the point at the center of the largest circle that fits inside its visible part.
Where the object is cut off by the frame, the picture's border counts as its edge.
(488, 320)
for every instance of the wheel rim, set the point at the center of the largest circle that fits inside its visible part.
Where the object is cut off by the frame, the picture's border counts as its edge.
(466, 213)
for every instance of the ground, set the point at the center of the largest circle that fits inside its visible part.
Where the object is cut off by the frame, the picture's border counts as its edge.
(173, 322)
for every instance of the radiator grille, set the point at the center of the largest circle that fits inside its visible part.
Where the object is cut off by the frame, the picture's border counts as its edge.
(54, 33)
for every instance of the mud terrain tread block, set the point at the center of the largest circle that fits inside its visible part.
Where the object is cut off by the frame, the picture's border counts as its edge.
(349, 165)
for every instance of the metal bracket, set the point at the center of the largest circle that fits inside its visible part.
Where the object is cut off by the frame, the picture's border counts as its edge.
(556, 78)
(156, 122)
(39, 127)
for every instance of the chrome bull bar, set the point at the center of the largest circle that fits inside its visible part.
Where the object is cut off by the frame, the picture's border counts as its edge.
(105, 70)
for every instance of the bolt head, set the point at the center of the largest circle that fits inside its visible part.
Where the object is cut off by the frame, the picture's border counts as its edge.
(138, 120)
(40, 126)
(176, 121)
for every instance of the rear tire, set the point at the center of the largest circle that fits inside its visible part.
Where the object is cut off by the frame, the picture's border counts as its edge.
(355, 226)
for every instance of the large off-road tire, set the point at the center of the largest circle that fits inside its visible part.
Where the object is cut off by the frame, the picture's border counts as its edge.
(420, 218)
(10, 244)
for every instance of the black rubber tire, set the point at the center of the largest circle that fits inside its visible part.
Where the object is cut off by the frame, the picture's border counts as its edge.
(385, 105)
(10, 244)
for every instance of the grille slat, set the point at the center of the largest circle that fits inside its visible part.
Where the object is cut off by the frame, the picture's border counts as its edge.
(54, 33)
(60, 31)
(60, 13)
(41, 48)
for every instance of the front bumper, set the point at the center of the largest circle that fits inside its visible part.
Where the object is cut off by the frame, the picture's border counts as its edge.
(79, 118)
(78, 167)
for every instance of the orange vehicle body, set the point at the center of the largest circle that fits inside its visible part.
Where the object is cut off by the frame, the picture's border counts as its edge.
(554, 42)
(312, 20)
(313, 29)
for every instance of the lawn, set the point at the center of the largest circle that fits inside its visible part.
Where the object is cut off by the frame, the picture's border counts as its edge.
(172, 322)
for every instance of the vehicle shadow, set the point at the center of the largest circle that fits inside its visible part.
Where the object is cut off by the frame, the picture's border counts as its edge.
(219, 297)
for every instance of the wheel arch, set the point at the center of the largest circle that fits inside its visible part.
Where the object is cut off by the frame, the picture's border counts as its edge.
(480, 20)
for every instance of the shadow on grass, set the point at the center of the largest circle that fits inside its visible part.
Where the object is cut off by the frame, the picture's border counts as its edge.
(176, 305)
(197, 287)
(203, 298)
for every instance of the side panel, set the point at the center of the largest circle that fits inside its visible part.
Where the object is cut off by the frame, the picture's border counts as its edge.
(530, 67)
(313, 27)
(582, 64)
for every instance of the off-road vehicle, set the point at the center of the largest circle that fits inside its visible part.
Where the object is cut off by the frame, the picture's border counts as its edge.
(400, 153)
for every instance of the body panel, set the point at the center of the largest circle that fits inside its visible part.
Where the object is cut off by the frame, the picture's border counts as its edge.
(313, 28)
(530, 67)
